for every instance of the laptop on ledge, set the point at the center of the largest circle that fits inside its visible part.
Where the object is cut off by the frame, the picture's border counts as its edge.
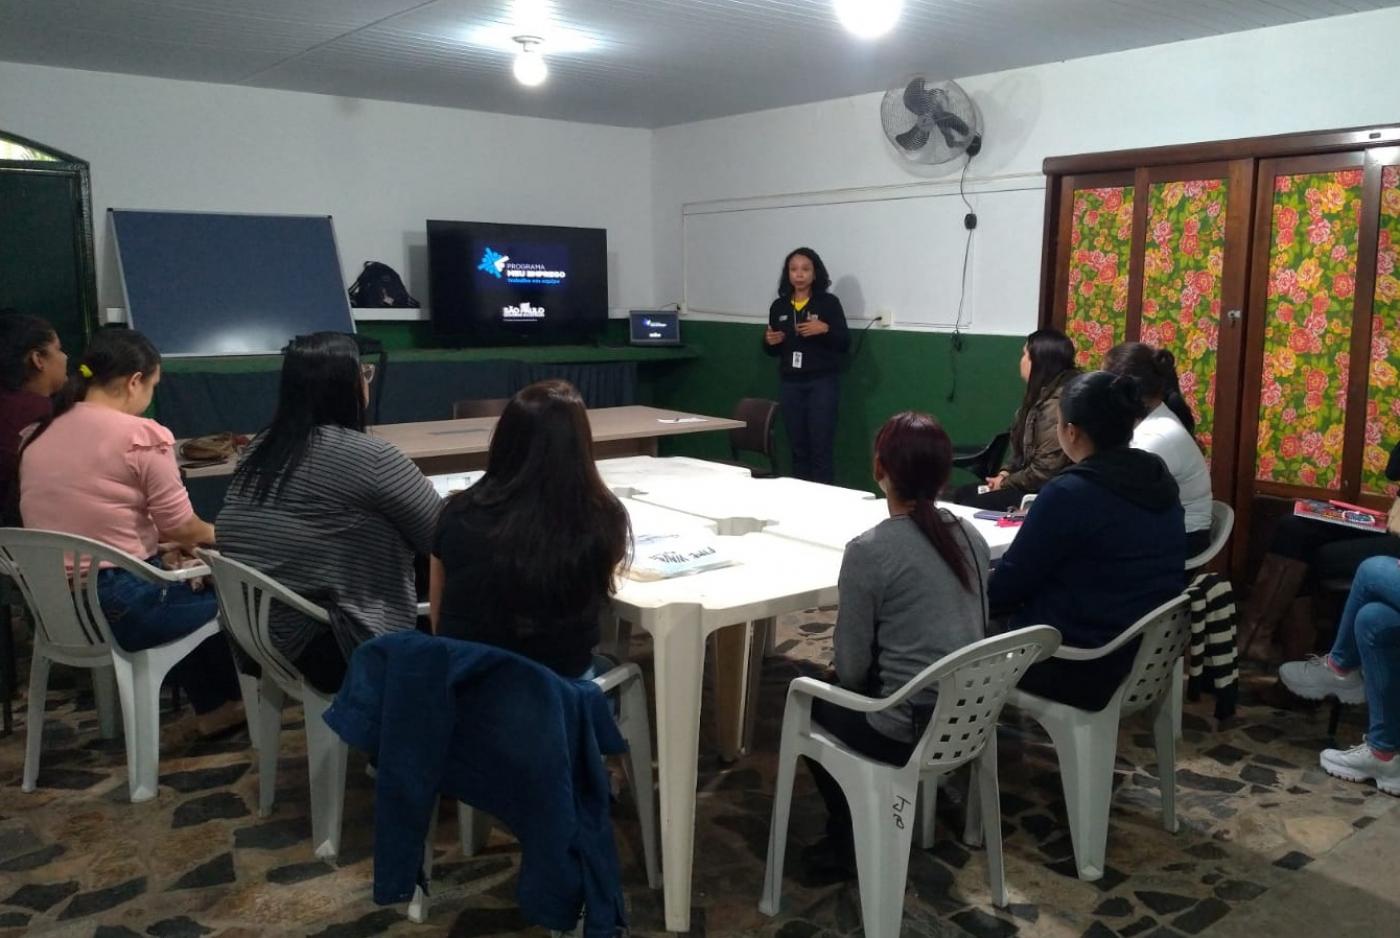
(654, 327)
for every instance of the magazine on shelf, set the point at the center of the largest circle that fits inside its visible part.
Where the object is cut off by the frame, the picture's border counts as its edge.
(663, 556)
(1351, 516)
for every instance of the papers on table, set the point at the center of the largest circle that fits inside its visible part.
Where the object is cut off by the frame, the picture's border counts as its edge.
(453, 482)
(680, 420)
(663, 556)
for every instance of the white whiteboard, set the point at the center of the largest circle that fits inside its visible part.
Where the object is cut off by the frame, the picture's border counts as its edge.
(894, 255)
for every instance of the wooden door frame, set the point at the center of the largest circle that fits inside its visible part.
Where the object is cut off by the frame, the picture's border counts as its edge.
(1247, 487)
(78, 170)
(1239, 177)
(1304, 143)
(1060, 169)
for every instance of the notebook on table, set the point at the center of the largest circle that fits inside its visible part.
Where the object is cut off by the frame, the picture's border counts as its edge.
(1351, 516)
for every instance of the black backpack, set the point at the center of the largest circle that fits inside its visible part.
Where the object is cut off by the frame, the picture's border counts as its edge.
(380, 286)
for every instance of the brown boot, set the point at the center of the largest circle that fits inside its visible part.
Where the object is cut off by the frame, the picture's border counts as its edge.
(1274, 590)
(1299, 633)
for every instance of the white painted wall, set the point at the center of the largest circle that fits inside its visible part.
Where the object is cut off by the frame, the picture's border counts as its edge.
(1330, 73)
(381, 169)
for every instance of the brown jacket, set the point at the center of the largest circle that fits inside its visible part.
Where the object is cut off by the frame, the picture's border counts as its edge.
(1036, 457)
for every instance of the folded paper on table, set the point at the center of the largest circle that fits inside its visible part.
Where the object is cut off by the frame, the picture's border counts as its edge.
(663, 556)
(680, 419)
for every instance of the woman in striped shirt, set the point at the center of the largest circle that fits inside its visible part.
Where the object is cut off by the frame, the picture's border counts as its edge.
(328, 510)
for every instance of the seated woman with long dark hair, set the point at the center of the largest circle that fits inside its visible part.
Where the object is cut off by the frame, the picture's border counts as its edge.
(525, 559)
(1035, 456)
(329, 511)
(1103, 545)
(1168, 429)
(100, 470)
(33, 368)
(912, 589)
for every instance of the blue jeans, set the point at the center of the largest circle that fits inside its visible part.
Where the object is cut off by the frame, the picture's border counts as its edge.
(809, 413)
(142, 615)
(1369, 638)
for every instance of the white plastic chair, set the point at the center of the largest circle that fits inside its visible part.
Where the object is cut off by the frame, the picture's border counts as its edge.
(1222, 524)
(71, 629)
(246, 597)
(972, 685)
(624, 682)
(1087, 742)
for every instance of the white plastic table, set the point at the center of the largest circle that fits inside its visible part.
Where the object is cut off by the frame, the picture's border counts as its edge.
(743, 503)
(774, 575)
(834, 526)
(624, 475)
(787, 537)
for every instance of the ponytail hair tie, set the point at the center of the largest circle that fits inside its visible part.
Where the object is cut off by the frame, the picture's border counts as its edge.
(85, 371)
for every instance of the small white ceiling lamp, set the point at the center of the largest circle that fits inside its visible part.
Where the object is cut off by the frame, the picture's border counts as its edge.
(529, 66)
(868, 19)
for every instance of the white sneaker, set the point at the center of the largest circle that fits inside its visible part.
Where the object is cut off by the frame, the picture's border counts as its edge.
(1314, 679)
(1360, 764)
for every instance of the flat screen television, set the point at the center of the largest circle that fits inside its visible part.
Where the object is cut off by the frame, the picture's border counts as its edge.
(494, 284)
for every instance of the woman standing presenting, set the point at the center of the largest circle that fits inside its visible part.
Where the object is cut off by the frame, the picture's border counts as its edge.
(807, 334)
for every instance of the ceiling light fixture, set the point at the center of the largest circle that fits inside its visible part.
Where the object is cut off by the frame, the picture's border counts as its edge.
(868, 19)
(529, 66)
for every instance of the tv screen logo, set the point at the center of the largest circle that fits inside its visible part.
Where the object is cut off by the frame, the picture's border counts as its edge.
(654, 327)
(523, 311)
(548, 272)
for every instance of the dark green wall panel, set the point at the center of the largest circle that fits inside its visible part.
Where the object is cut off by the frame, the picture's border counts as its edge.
(890, 372)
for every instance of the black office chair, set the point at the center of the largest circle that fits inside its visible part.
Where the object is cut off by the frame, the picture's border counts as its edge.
(484, 407)
(983, 461)
(760, 416)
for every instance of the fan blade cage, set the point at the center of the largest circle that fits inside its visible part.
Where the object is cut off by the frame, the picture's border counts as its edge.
(931, 122)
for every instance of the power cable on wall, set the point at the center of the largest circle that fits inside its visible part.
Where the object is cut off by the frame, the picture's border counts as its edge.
(956, 345)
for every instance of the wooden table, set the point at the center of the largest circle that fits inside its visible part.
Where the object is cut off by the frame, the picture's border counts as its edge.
(440, 446)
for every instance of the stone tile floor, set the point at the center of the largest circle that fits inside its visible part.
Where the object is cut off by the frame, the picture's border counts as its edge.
(77, 859)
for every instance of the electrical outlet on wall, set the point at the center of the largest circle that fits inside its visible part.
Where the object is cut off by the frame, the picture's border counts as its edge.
(886, 318)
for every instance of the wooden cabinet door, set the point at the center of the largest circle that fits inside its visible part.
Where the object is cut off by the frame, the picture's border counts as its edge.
(1189, 297)
(1304, 395)
(1093, 265)
(1378, 305)
(1303, 388)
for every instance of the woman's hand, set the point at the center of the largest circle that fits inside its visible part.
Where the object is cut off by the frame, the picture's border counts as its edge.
(773, 336)
(811, 327)
(994, 483)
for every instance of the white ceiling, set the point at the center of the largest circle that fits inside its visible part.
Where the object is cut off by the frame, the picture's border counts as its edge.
(648, 63)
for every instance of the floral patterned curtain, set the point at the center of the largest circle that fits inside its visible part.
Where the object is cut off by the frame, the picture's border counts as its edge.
(1101, 234)
(1383, 406)
(1308, 320)
(1181, 286)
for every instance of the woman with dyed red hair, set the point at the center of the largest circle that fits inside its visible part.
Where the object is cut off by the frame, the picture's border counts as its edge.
(912, 589)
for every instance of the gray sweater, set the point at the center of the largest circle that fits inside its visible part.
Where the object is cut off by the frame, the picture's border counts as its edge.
(902, 609)
(353, 514)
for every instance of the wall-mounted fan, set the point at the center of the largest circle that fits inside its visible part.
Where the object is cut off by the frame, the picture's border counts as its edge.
(931, 122)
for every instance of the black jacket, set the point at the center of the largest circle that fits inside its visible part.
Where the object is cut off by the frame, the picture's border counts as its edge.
(1104, 544)
(821, 354)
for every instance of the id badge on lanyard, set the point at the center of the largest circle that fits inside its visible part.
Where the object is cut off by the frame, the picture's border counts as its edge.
(798, 315)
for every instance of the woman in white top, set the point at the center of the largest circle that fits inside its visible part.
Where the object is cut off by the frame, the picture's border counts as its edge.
(1167, 430)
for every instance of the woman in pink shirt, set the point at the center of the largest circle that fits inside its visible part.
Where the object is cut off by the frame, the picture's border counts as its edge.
(98, 469)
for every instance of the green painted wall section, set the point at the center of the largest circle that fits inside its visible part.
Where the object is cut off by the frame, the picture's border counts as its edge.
(887, 372)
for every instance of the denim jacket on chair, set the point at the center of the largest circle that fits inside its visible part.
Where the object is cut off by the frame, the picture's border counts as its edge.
(504, 735)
